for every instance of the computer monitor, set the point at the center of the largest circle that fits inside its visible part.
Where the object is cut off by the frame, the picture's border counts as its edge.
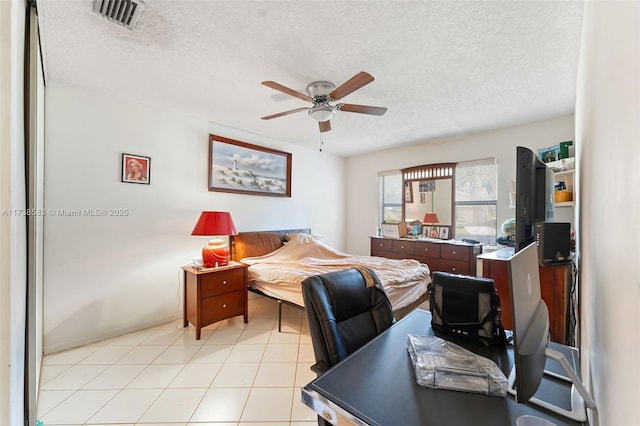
(534, 195)
(531, 336)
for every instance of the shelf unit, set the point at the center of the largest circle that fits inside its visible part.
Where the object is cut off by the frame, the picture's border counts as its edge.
(568, 177)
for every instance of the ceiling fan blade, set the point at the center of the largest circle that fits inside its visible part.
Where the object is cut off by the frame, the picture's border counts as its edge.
(362, 109)
(281, 88)
(351, 85)
(325, 126)
(280, 114)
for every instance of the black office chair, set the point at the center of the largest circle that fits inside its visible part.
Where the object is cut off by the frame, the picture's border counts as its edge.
(346, 309)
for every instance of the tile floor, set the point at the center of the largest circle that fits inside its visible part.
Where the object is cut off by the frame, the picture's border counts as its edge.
(236, 374)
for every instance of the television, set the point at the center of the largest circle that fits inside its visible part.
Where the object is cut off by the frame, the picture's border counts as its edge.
(534, 195)
(531, 342)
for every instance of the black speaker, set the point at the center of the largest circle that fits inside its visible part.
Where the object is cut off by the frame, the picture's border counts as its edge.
(553, 240)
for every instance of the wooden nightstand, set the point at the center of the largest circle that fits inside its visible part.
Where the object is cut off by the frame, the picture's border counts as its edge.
(214, 294)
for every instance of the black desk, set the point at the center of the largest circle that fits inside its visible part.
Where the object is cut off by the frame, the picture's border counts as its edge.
(376, 386)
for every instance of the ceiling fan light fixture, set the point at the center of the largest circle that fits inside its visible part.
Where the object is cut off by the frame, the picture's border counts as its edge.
(321, 113)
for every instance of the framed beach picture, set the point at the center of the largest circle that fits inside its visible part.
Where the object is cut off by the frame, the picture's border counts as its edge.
(136, 169)
(243, 168)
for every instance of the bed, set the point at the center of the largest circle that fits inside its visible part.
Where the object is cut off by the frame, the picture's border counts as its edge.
(280, 260)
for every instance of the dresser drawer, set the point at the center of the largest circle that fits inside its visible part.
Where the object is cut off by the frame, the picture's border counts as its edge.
(222, 282)
(426, 249)
(403, 247)
(454, 252)
(222, 307)
(453, 266)
(381, 244)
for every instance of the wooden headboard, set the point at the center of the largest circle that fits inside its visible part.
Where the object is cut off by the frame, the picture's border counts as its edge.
(258, 243)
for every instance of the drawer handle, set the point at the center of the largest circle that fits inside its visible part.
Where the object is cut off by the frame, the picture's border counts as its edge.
(401, 247)
(453, 269)
(426, 249)
(224, 305)
(381, 244)
(224, 282)
(454, 252)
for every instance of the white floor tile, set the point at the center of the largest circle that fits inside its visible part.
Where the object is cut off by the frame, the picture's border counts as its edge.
(107, 355)
(126, 407)
(162, 337)
(304, 375)
(176, 355)
(78, 408)
(69, 357)
(225, 336)
(254, 337)
(284, 337)
(155, 376)
(221, 405)
(300, 412)
(246, 353)
(236, 376)
(48, 372)
(273, 374)
(74, 378)
(196, 376)
(131, 339)
(281, 352)
(268, 404)
(305, 353)
(212, 354)
(115, 377)
(174, 405)
(47, 400)
(142, 355)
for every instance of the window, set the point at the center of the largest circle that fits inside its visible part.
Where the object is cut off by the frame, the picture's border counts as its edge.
(390, 196)
(476, 200)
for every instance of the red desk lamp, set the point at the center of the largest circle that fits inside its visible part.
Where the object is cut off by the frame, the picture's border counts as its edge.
(216, 252)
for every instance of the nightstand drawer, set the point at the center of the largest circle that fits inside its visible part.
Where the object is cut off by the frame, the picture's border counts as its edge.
(454, 252)
(222, 282)
(222, 307)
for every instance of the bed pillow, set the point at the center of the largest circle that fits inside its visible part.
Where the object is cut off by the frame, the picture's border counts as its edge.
(250, 244)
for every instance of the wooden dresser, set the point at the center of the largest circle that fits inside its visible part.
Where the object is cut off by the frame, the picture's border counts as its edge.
(445, 256)
(555, 284)
(214, 294)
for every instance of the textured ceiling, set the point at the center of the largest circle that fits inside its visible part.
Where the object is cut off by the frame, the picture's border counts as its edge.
(441, 68)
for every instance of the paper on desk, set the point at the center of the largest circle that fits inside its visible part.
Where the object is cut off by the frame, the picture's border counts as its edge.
(440, 364)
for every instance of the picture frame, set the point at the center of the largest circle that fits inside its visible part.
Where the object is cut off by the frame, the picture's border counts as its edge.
(243, 168)
(444, 232)
(135, 169)
(408, 192)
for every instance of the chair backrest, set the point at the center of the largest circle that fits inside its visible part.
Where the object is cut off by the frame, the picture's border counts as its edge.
(346, 309)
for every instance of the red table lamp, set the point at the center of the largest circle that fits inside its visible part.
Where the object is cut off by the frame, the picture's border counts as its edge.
(216, 252)
(430, 218)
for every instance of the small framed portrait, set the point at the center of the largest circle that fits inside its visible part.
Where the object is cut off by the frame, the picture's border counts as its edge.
(444, 232)
(136, 169)
(434, 232)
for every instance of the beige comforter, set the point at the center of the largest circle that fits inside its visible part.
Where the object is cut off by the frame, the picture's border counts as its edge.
(281, 272)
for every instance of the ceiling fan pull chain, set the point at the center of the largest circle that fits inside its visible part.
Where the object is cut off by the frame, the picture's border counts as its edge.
(321, 142)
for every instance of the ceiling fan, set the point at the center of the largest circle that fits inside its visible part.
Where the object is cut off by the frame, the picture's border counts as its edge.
(322, 94)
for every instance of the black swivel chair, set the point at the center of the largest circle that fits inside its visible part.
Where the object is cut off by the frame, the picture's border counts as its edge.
(346, 309)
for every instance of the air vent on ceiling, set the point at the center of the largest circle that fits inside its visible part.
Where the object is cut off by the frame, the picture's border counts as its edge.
(124, 12)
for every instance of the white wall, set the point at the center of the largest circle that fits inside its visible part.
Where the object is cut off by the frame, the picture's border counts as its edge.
(13, 242)
(362, 183)
(608, 155)
(105, 276)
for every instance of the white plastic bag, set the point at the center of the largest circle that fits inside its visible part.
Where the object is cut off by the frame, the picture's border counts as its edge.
(440, 364)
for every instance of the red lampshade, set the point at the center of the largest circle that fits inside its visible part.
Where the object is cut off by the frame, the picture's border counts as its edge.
(215, 223)
(430, 218)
